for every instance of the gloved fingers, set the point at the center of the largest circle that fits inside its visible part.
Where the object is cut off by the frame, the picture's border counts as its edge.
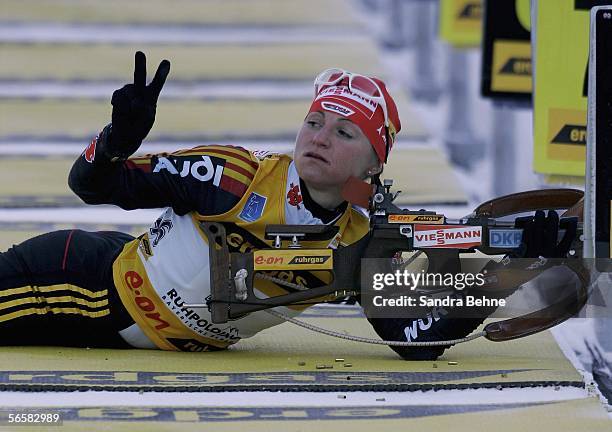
(159, 80)
(539, 219)
(541, 232)
(140, 72)
(122, 98)
(537, 239)
(520, 222)
(550, 234)
(139, 109)
(526, 223)
(552, 220)
(532, 235)
(570, 225)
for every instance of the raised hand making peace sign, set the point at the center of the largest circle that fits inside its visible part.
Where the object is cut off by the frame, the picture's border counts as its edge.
(134, 109)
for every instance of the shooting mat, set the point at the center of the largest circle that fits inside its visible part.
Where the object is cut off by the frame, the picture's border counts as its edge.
(272, 361)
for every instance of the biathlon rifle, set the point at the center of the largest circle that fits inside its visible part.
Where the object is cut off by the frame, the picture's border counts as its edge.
(393, 230)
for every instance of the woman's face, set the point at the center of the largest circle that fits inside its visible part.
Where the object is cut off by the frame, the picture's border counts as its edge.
(330, 148)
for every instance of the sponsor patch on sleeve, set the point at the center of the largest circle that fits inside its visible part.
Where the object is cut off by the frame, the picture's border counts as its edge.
(254, 207)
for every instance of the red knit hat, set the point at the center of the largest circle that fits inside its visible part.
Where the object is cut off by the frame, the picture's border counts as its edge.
(351, 101)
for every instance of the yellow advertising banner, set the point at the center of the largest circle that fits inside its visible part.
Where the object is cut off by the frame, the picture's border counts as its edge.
(461, 22)
(560, 88)
(511, 66)
(506, 50)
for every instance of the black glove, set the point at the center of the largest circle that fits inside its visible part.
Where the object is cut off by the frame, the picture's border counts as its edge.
(540, 235)
(134, 110)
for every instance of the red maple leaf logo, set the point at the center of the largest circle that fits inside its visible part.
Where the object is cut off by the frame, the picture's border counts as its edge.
(293, 195)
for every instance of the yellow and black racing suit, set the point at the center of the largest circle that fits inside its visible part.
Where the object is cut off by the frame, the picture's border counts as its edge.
(110, 289)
